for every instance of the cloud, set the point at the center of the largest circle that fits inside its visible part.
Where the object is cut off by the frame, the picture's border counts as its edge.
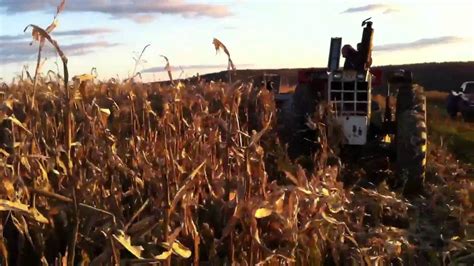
(17, 51)
(5, 38)
(90, 31)
(86, 48)
(138, 10)
(140, 19)
(81, 32)
(229, 28)
(421, 43)
(391, 10)
(373, 7)
(188, 67)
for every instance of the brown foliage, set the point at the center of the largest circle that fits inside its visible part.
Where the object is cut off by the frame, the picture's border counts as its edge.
(162, 172)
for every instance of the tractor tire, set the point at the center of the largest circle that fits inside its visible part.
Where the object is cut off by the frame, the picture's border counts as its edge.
(292, 119)
(411, 97)
(468, 116)
(285, 118)
(411, 138)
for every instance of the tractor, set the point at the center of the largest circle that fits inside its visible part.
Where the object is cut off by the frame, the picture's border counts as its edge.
(346, 92)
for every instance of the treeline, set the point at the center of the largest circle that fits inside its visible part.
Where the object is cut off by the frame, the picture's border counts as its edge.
(433, 76)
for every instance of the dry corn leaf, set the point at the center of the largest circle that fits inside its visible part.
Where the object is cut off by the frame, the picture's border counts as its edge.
(77, 95)
(218, 45)
(44, 174)
(291, 177)
(38, 216)
(7, 188)
(334, 203)
(104, 115)
(60, 7)
(5, 153)
(125, 241)
(40, 35)
(256, 137)
(83, 77)
(329, 219)
(164, 255)
(24, 161)
(168, 68)
(186, 186)
(18, 123)
(180, 249)
(393, 247)
(325, 191)
(176, 248)
(9, 103)
(52, 26)
(36, 35)
(6, 205)
(3, 251)
(305, 191)
(180, 85)
(180, 168)
(61, 165)
(6, 165)
(262, 213)
(279, 204)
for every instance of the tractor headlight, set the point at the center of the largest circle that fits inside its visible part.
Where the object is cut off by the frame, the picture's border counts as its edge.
(360, 76)
(337, 75)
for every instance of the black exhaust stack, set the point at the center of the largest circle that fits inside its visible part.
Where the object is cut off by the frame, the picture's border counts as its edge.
(365, 48)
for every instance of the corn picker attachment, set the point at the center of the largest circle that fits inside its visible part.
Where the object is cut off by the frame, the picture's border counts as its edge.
(345, 93)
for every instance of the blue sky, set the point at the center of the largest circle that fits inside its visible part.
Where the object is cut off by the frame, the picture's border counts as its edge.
(106, 34)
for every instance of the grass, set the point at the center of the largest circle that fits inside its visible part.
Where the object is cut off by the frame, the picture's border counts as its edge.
(455, 134)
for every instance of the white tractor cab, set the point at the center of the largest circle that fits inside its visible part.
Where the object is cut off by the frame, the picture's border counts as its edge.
(348, 91)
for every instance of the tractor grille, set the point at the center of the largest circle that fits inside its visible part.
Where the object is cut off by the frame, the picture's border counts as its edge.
(350, 98)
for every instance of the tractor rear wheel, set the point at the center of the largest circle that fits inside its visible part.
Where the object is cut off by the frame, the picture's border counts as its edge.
(292, 117)
(467, 112)
(411, 138)
(305, 101)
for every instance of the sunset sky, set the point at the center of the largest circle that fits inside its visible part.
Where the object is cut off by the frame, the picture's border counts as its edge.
(107, 34)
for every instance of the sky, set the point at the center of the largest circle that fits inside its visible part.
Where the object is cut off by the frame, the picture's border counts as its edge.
(109, 34)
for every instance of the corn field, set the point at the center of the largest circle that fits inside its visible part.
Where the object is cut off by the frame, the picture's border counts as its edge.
(184, 174)
(127, 173)
(160, 171)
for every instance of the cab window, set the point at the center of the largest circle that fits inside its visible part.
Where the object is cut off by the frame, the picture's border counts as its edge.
(469, 88)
